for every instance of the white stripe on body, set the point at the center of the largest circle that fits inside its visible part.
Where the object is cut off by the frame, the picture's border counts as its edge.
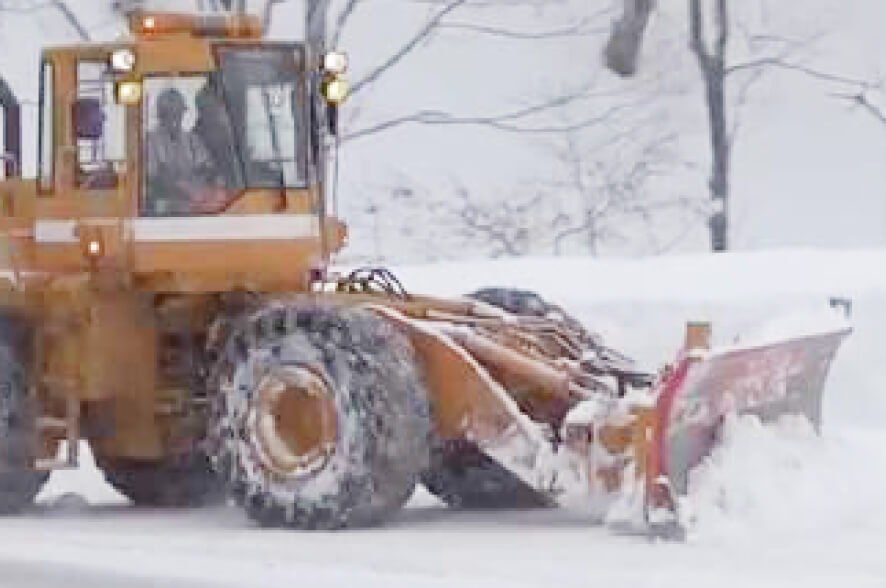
(254, 227)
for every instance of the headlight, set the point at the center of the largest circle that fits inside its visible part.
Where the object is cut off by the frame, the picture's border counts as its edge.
(335, 62)
(94, 248)
(129, 93)
(123, 60)
(335, 89)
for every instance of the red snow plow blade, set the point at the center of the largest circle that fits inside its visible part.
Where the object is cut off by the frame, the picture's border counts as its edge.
(769, 380)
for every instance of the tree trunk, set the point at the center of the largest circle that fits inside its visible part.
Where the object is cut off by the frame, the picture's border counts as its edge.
(720, 161)
(711, 62)
(626, 37)
(316, 29)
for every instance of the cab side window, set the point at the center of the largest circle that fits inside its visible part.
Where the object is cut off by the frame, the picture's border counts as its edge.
(10, 133)
(46, 150)
(99, 128)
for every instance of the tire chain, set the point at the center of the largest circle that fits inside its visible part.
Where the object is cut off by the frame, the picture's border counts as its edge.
(257, 328)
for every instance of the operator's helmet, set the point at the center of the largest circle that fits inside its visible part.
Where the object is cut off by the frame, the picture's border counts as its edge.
(170, 101)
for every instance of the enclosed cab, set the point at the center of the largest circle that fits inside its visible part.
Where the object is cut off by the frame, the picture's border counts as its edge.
(186, 159)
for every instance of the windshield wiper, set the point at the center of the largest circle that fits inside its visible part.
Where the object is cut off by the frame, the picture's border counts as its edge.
(275, 142)
(272, 127)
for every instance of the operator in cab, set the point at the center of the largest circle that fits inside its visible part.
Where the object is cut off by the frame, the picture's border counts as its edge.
(182, 178)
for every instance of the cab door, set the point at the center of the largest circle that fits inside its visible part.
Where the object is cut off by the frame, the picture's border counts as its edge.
(83, 202)
(101, 168)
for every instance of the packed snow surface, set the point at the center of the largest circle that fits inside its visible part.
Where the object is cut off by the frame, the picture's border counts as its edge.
(772, 506)
(784, 480)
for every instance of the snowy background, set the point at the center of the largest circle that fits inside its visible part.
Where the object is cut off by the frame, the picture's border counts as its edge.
(772, 507)
(807, 159)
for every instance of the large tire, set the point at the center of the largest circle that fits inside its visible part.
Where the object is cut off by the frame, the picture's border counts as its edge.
(371, 392)
(527, 303)
(19, 482)
(461, 475)
(159, 484)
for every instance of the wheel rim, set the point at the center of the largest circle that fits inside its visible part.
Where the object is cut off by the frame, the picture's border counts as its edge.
(294, 424)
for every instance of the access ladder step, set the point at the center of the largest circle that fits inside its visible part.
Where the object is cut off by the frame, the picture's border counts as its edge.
(45, 423)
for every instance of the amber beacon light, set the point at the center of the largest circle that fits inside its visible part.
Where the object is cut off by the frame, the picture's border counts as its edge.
(154, 24)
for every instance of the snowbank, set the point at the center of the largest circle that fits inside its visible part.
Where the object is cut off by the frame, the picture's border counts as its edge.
(726, 277)
(641, 306)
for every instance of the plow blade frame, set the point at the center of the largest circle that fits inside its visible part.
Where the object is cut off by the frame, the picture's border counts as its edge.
(769, 381)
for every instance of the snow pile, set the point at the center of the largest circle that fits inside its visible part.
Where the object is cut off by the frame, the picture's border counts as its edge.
(733, 277)
(804, 322)
(782, 479)
(641, 306)
(86, 481)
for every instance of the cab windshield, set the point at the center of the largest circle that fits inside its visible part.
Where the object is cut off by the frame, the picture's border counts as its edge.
(262, 91)
(209, 137)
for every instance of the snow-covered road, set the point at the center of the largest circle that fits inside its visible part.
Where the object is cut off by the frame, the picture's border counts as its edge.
(113, 544)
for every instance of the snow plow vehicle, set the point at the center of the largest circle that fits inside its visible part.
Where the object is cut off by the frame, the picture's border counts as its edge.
(167, 299)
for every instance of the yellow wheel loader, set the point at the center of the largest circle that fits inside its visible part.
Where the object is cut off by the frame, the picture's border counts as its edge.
(167, 299)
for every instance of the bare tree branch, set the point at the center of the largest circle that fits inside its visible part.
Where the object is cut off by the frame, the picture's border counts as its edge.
(712, 64)
(267, 15)
(756, 69)
(579, 29)
(857, 97)
(343, 17)
(696, 33)
(60, 5)
(780, 63)
(723, 26)
(72, 19)
(501, 228)
(861, 100)
(407, 47)
(440, 117)
(505, 122)
(741, 101)
(611, 189)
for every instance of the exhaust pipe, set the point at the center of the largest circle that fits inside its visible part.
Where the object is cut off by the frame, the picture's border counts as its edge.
(11, 153)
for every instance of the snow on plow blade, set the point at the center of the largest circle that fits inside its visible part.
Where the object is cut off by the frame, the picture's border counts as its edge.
(771, 380)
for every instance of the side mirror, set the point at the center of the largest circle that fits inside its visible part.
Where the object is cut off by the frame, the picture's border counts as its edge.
(88, 118)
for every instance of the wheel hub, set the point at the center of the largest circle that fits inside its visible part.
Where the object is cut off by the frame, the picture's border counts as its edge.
(295, 423)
